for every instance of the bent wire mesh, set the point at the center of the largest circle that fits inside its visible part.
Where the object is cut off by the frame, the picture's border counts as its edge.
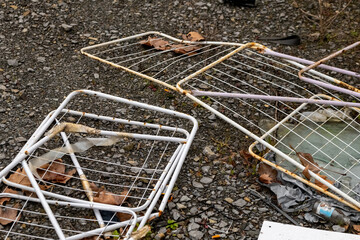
(95, 156)
(271, 97)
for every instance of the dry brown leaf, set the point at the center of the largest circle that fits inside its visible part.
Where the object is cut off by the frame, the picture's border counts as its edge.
(320, 184)
(103, 196)
(5, 199)
(8, 215)
(265, 178)
(14, 7)
(20, 177)
(267, 173)
(193, 36)
(307, 160)
(246, 156)
(306, 172)
(157, 43)
(356, 228)
(123, 216)
(26, 13)
(56, 172)
(185, 49)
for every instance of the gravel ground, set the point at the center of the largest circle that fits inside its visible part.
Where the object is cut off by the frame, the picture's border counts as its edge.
(40, 63)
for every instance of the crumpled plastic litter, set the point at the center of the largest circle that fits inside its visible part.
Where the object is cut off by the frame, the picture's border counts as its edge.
(293, 195)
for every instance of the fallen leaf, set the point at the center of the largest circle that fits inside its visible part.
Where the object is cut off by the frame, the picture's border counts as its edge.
(103, 196)
(320, 184)
(267, 173)
(185, 49)
(56, 172)
(356, 228)
(5, 199)
(8, 215)
(140, 233)
(246, 156)
(20, 177)
(123, 216)
(157, 43)
(193, 36)
(26, 13)
(306, 172)
(14, 7)
(307, 160)
(265, 178)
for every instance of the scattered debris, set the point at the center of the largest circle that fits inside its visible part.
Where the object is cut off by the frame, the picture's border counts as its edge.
(160, 44)
(103, 196)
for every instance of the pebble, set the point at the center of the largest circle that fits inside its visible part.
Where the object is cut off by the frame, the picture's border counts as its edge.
(197, 184)
(13, 62)
(180, 206)
(41, 59)
(193, 226)
(196, 234)
(206, 180)
(209, 153)
(184, 199)
(66, 27)
(229, 200)
(240, 203)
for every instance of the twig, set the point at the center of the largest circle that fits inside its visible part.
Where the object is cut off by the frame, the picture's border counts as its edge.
(257, 194)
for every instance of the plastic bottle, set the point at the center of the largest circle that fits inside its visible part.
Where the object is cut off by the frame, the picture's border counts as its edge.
(331, 214)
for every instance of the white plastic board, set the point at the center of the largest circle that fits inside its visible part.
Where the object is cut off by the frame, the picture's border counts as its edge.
(280, 231)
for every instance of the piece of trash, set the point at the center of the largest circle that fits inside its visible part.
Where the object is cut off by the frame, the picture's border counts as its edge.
(268, 202)
(331, 214)
(225, 77)
(63, 170)
(281, 231)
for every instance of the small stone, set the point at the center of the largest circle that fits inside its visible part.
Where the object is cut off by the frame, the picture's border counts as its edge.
(13, 62)
(2, 87)
(175, 214)
(205, 169)
(206, 180)
(180, 206)
(247, 199)
(193, 210)
(197, 184)
(159, 236)
(209, 153)
(263, 210)
(2, 156)
(196, 234)
(96, 75)
(193, 226)
(20, 139)
(41, 59)
(240, 203)
(229, 200)
(184, 199)
(66, 27)
(255, 31)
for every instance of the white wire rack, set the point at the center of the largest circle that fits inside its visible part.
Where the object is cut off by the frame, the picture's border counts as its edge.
(269, 96)
(122, 170)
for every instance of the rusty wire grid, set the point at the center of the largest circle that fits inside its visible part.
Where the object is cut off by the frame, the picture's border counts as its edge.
(259, 92)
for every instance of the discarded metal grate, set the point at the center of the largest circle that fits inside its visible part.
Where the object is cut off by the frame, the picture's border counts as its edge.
(258, 91)
(121, 173)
